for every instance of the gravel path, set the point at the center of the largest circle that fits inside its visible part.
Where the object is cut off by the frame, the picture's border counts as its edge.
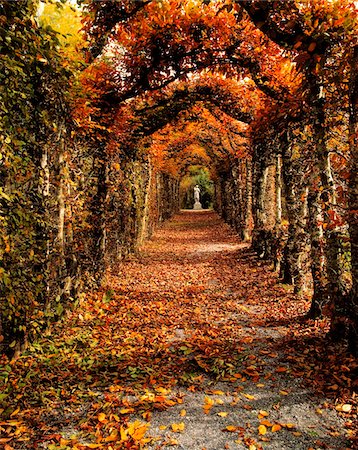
(192, 344)
(265, 393)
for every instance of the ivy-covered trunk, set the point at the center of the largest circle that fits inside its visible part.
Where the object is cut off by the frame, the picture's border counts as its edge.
(28, 117)
(352, 304)
(248, 220)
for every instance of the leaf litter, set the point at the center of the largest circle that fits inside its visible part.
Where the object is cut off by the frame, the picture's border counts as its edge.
(190, 344)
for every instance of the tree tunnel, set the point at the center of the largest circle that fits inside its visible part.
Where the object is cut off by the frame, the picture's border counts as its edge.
(96, 154)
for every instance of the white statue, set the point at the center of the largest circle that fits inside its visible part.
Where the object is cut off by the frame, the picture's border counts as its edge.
(197, 193)
(197, 204)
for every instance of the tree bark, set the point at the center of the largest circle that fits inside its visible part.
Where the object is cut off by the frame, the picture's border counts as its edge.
(248, 203)
(352, 305)
(295, 268)
(333, 250)
(320, 297)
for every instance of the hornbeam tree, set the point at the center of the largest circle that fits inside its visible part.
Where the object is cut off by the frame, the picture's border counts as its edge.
(265, 93)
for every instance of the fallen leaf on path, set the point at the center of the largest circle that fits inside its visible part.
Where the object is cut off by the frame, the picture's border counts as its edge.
(281, 369)
(262, 429)
(231, 428)
(344, 408)
(249, 396)
(283, 393)
(178, 427)
(101, 417)
(208, 404)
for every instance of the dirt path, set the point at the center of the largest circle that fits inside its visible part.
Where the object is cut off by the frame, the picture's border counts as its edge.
(192, 345)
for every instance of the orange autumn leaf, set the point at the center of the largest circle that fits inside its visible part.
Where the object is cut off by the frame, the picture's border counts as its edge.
(281, 369)
(137, 429)
(208, 404)
(101, 417)
(231, 428)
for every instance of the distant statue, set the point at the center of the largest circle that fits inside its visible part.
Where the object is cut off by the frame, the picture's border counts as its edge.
(197, 204)
(196, 193)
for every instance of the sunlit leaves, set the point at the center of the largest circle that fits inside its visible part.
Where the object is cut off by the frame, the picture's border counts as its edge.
(208, 404)
(262, 430)
(66, 21)
(178, 427)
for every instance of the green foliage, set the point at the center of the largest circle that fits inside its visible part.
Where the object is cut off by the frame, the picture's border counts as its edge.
(65, 19)
(32, 81)
(197, 175)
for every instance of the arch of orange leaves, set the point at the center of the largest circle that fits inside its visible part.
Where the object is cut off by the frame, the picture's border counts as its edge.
(264, 93)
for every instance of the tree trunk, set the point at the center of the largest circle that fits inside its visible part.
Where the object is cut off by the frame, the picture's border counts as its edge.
(295, 266)
(248, 203)
(98, 222)
(352, 305)
(336, 285)
(278, 228)
(319, 298)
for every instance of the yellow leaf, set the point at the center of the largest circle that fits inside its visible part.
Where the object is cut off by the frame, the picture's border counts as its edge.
(208, 404)
(263, 413)
(124, 435)
(283, 392)
(101, 417)
(137, 429)
(218, 392)
(346, 407)
(162, 427)
(126, 410)
(183, 413)
(15, 412)
(178, 427)
(223, 414)
(252, 447)
(112, 437)
(249, 396)
(262, 430)
(276, 427)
